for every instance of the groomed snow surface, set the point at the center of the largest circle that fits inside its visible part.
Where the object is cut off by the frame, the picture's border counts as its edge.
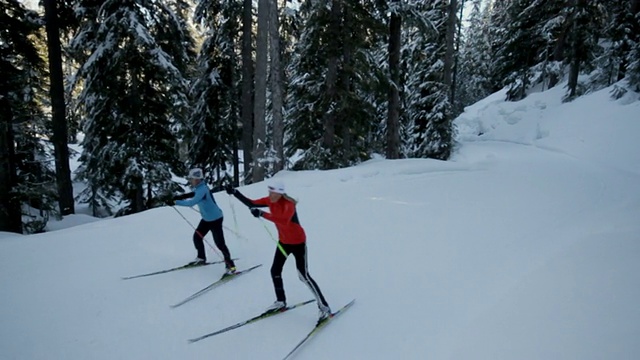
(525, 246)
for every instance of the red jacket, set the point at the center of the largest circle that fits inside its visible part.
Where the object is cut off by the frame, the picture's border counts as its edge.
(282, 213)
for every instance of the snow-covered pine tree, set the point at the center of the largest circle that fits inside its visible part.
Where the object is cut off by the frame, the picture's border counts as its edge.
(612, 63)
(586, 18)
(517, 48)
(622, 32)
(552, 28)
(329, 117)
(633, 59)
(287, 31)
(134, 95)
(533, 41)
(216, 87)
(498, 20)
(475, 59)
(427, 113)
(27, 184)
(394, 50)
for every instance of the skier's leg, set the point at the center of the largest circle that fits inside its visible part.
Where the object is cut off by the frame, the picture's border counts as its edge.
(276, 274)
(300, 253)
(218, 238)
(198, 237)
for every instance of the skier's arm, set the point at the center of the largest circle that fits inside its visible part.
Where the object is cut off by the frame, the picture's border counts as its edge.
(197, 196)
(249, 202)
(284, 217)
(184, 196)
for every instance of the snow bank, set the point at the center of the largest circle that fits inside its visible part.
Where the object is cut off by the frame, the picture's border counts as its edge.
(593, 127)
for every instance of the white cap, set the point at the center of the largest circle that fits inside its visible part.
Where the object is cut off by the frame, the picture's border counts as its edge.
(276, 187)
(195, 173)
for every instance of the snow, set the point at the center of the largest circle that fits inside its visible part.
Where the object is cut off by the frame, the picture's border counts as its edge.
(70, 221)
(524, 246)
(592, 127)
(83, 213)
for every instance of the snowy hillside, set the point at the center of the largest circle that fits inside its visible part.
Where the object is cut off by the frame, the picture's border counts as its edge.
(524, 246)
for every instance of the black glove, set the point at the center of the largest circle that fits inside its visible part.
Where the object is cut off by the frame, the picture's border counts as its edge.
(256, 212)
(230, 190)
(170, 202)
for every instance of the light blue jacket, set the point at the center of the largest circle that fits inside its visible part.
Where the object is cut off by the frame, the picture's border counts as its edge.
(205, 201)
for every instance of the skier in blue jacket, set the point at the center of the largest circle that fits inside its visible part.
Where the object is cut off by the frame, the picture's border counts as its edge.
(211, 218)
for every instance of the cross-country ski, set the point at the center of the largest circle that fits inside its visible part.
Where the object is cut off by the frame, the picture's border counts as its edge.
(224, 279)
(262, 316)
(183, 267)
(319, 326)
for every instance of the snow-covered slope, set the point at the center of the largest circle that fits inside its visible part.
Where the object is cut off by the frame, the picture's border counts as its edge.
(509, 251)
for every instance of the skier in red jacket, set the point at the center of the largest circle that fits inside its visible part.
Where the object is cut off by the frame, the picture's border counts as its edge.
(292, 240)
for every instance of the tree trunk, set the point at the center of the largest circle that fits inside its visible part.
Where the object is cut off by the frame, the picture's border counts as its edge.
(346, 123)
(558, 51)
(448, 57)
(247, 94)
(138, 203)
(276, 70)
(136, 196)
(393, 119)
(259, 107)
(10, 214)
(237, 136)
(56, 91)
(574, 68)
(236, 160)
(329, 119)
(454, 81)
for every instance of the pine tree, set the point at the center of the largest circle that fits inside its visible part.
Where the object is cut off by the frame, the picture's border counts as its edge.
(215, 88)
(475, 59)
(134, 97)
(26, 183)
(633, 58)
(394, 50)
(584, 16)
(612, 63)
(498, 23)
(329, 113)
(519, 51)
(427, 102)
(553, 28)
(534, 41)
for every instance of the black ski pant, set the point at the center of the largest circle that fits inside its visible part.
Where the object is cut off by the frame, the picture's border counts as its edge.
(299, 251)
(215, 227)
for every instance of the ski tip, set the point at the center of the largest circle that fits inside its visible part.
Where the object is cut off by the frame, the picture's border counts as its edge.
(344, 307)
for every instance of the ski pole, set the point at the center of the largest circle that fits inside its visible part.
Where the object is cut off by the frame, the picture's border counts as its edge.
(235, 219)
(274, 238)
(198, 232)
